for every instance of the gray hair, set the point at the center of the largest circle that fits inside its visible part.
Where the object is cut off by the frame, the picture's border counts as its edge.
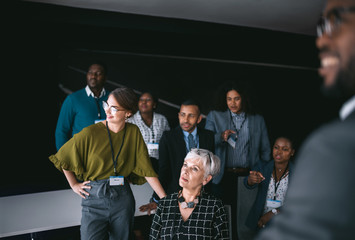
(210, 162)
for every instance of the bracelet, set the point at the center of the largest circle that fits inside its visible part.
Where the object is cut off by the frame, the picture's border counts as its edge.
(154, 200)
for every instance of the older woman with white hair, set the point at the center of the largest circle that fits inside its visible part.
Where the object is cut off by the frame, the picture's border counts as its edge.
(192, 213)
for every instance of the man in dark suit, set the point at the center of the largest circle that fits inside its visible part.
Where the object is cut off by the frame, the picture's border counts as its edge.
(321, 200)
(175, 144)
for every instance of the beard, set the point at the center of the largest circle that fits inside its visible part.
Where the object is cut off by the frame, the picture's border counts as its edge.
(344, 86)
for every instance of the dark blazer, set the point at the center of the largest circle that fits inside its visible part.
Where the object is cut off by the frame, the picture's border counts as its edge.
(172, 152)
(259, 145)
(256, 211)
(320, 202)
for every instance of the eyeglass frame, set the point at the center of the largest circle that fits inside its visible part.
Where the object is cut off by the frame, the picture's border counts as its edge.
(199, 151)
(113, 109)
(325, 26)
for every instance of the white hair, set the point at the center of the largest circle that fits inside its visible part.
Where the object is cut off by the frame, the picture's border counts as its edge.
(210, 162)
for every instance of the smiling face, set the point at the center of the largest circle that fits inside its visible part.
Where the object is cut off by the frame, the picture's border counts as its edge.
(282, 150)
(234, 101)
(192, 174)
(115, 117)
(337, 50)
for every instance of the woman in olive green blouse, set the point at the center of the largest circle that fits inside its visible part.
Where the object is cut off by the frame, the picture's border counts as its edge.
(100, 161)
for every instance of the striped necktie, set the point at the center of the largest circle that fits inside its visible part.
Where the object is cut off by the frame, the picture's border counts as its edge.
(191, 141)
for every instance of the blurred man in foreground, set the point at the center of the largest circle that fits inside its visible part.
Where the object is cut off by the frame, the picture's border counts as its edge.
(321, 197)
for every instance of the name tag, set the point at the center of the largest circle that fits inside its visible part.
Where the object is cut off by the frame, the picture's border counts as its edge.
(231, 142)
(273, 203)
(153, 146)
(116, 180)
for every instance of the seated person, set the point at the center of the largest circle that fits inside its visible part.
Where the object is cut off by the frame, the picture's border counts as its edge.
(272, 178)
(192, 213)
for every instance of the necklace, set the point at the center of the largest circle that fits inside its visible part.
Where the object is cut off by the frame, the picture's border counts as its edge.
(185, 204)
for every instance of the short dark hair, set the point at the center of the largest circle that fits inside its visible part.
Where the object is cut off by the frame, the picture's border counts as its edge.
(288, 138)
(194, 102)
(126, 98)
(102, 64)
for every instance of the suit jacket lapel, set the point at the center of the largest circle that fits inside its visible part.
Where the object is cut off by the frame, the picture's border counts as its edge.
(201, 138)
(180, 145)
(229, 122)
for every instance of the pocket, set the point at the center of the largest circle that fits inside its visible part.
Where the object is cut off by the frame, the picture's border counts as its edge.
(118, 191)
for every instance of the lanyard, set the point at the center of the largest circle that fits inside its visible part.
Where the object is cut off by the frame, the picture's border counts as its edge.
(153, 134)
(235, 127)
(112, 150)
(98, 108)
(277, 185)
(151, 128)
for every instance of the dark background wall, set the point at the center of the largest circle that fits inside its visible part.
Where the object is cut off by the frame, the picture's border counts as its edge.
(45, 46)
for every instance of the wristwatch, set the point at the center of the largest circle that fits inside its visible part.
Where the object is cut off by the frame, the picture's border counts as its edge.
(274, 211)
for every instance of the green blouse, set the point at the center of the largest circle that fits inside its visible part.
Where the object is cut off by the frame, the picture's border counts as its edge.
(88, 154)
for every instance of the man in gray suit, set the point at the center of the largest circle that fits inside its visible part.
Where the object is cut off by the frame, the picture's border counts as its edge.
(321, 197)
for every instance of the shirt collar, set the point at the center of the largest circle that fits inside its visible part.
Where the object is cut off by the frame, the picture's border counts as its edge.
(90, 93)
(240, 115)
(347, 108)
(139, 117)
(194, 133)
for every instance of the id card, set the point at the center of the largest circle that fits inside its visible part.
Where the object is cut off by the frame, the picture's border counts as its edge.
(153, 146)
(116, 180)
(231, 142)
(273, 203)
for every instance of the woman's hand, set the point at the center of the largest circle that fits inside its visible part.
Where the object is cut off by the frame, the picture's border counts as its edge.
(255, 177)
(79, 188)
(226, 134)
(265, 219)
(148, 207)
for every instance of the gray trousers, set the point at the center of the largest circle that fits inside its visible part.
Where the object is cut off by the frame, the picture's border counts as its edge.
(108, 213)
(246, 199)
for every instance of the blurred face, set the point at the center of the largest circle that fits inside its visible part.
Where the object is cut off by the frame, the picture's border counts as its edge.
(114, 112)
(282, 150)
(234, 101)
(189, 117)
(192, 174)
(146, 103)
(337, 49)
(95, 76)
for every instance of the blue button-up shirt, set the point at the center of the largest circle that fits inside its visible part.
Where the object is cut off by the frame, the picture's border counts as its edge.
(196, 139)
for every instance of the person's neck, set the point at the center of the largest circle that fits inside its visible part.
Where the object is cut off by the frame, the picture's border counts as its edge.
(281, 166)
(192, 130)
(191, 194)
(147, 118)
(96, 91)
(116, 127)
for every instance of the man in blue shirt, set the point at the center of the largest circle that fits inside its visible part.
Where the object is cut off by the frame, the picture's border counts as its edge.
(175, 143)
(84, 107)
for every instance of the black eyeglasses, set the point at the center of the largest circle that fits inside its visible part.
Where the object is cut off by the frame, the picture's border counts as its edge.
(329, 23)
